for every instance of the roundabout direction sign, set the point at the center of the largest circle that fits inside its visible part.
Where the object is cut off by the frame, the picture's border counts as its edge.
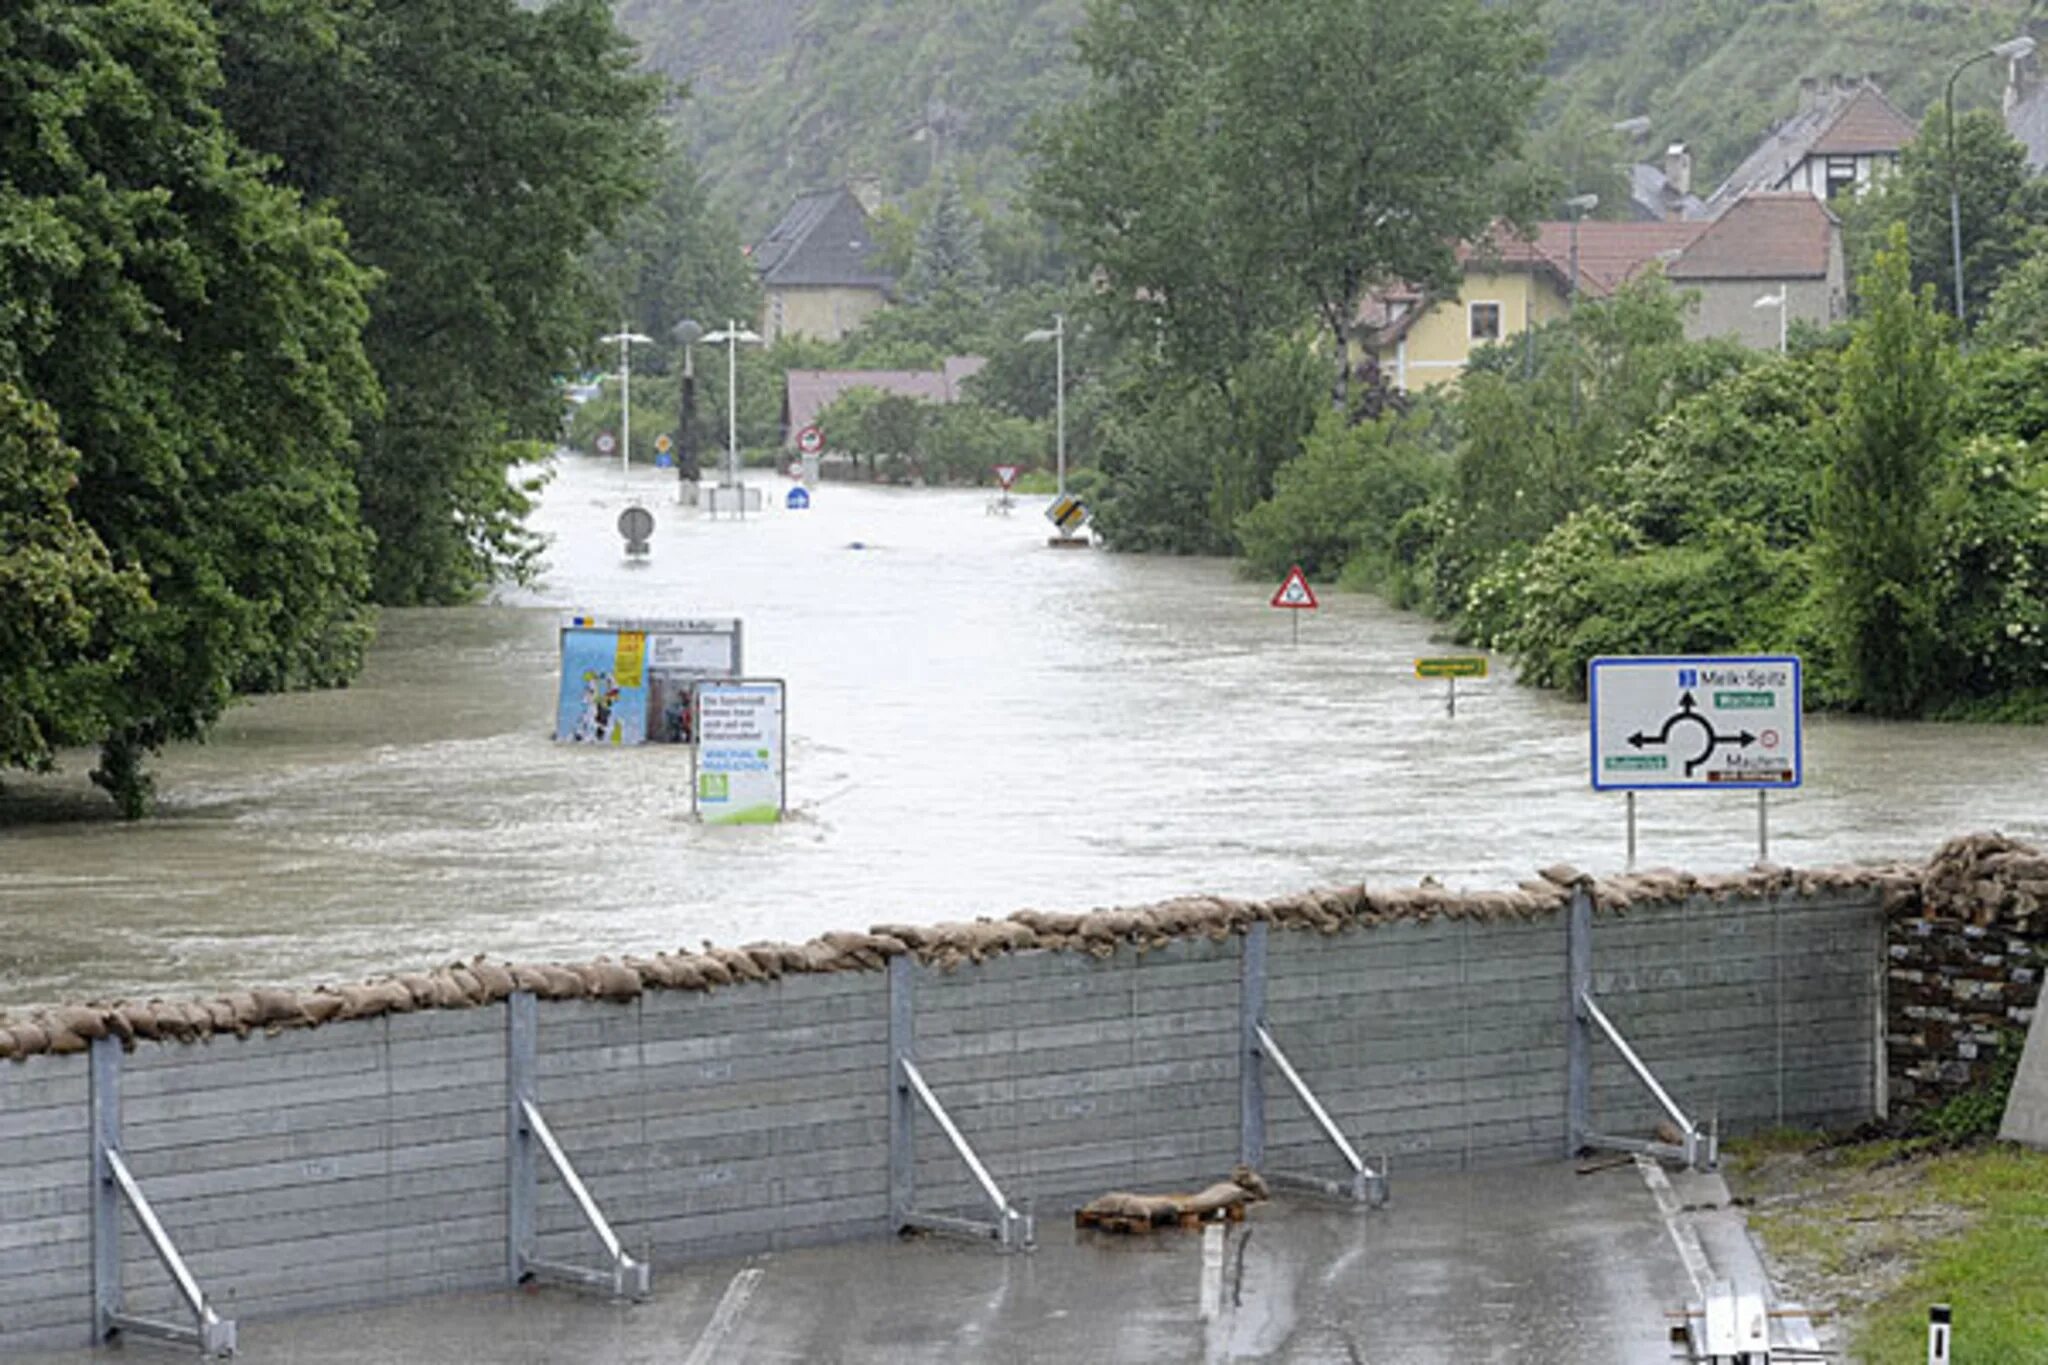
(1712, 723)
(1698, 723)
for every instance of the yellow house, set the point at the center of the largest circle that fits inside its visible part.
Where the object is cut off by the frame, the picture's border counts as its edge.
(1508, 285)
(817, 267)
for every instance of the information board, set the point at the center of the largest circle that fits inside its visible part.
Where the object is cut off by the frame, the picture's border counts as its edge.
(627, 680)
(741, 740)
(1696, 722)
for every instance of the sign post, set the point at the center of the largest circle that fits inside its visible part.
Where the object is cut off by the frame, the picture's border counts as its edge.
(1697, 723)
(1295, 596)
(1451, 668)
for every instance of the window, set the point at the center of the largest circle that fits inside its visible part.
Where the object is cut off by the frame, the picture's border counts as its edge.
(1485, 319)
(1841, 175)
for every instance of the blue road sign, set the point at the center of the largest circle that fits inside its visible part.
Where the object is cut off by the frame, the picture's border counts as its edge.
(797, 500)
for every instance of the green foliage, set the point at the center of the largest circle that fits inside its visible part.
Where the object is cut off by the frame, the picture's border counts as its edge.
(947, 260)
(671, 258)
(1235, 166)
(2002, 213)
(1338, 504)
(903, 439)
(67, 605)
(1876, 510)
(1991, 569)
(472, 147)
(196, 333)
(2017, 314)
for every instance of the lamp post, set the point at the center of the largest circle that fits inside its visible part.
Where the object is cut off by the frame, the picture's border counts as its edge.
(1057, 335)
(687, 333)
(1782, 301)
(731, 338)
(625, 340)
(1579, 206)
(2012, 49)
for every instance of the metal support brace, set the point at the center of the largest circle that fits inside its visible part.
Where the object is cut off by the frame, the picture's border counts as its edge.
(622, 1277)
(1368, 1183)
(1014, 1227)
(1698, 1148)
(113, 1183)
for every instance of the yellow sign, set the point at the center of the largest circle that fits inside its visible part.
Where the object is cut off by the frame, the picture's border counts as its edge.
(1454, 666)
(1066, 512)
(632, 658)
(662, 443)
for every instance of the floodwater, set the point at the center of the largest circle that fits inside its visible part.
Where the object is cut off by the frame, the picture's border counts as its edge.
(978, 723)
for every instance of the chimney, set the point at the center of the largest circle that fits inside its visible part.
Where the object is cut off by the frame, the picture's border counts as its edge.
(1678, 168)
(1809, 91)
(867, 192)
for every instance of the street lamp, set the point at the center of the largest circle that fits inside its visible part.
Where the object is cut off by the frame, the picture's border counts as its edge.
(625, 340)
(1782, 301)
(1579, 206)
(2013, 49)
(1057, 335)
(731, 338)
(687, 332)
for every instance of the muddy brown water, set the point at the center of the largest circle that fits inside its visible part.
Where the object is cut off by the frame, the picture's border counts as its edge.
(977, 724)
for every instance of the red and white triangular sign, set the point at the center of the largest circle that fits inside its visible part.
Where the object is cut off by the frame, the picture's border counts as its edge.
(1006, 474)
(1295, 592)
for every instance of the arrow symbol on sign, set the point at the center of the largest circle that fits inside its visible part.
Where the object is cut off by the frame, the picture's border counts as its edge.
(1685, 703)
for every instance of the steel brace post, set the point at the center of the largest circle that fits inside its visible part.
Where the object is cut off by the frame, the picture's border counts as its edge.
(1698, 1148)
(1014, 1227)
(528, 1138)
(1367, 1184)
(112, 1184)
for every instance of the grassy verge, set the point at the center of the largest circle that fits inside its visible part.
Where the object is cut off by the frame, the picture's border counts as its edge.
(1877, 1231)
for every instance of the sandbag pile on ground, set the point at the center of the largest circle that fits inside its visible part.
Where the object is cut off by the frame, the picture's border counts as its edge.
(1979, 877)
(1986, 879)
(1245, 1186)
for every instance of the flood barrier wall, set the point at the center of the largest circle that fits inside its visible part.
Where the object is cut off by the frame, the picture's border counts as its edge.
(366, 1159)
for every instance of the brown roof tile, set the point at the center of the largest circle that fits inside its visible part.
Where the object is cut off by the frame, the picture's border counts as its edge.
(1867, 123)
(1609, 253)
(1762, 236)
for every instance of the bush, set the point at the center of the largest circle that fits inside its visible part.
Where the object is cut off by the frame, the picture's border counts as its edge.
(1336, 507)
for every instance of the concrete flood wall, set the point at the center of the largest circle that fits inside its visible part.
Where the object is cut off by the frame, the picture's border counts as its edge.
(366, 1159)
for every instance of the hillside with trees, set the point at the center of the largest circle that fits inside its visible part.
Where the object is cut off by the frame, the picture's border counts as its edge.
(790, 95)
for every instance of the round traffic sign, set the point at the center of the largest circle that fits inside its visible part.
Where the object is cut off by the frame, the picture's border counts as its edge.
(662, 443)
(606, 443)
(636, 524)
(810, 440)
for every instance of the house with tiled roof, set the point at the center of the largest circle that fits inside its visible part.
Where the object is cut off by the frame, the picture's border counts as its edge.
(1844, 135)
(806, 393)
(818, 268)
(1763, 244)
(1510, 283)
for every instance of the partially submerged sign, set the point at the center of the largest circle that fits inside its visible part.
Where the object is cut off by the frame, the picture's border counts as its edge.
(627, 680)
(1295, 593)
(1452, 666)
(1696, 722)
(742, 732)
(1067, 513)
(1006, 474)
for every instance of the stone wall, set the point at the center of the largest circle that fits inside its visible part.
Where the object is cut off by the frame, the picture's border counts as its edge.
(1968, 944)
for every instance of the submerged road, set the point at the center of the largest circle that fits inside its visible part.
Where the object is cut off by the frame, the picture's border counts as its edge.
(977, 724)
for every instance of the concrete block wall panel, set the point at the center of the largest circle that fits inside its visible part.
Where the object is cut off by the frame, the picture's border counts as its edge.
(45, 1203)
(1440, 1044)
(1765, 1011)
(1076, 1075)
(347, 1164)
(750, 1119)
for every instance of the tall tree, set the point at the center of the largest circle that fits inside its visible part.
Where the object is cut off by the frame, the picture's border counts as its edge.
(947, 260)
(1877, 523)
(2002, 211)
(1238, 164)
(195, 332)
(474, 148)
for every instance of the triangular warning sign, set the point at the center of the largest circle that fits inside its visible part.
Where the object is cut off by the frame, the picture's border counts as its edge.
(1295, 592)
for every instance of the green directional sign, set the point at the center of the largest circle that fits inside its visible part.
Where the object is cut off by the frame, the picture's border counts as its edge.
(1452, 666)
